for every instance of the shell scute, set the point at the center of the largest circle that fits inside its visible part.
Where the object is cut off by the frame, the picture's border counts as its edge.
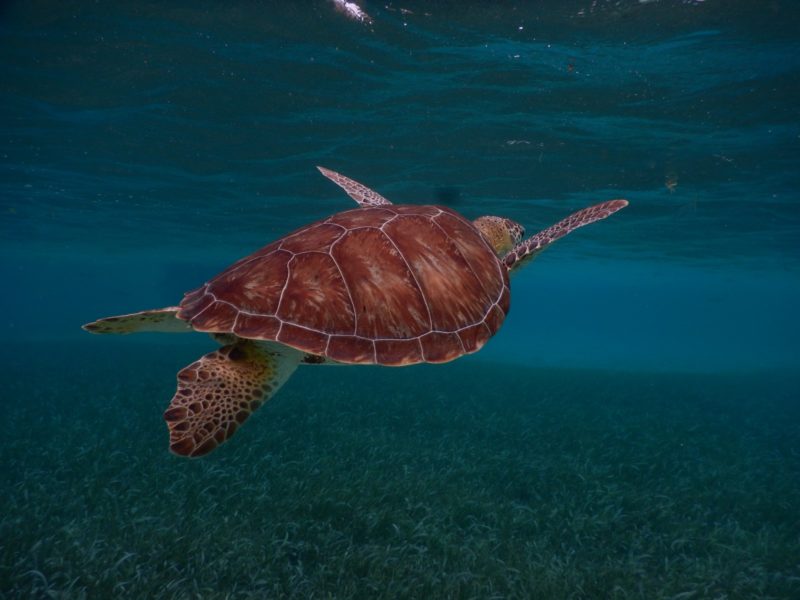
(417, 210)
(392, 285)
(351, 349)
(257, 327)
(255, 285)
(439, 347)
(194, 303)
(489, 273)
(363, 217)
(316, 296)
(495, 318)
(387, 300)
(474, 337)
(300, 337)
(219, 317)
(454, 294)
(317, 238)
(399, 352)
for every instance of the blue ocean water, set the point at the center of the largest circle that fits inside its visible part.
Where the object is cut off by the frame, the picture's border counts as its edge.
(640, 400)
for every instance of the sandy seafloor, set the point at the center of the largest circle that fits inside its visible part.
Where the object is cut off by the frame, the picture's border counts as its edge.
(632, 431)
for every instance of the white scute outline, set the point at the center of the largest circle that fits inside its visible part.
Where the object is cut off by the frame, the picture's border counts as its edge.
(432, 218)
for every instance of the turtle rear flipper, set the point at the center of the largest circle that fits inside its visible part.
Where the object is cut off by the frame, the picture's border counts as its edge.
(160, 319)
(217, 393)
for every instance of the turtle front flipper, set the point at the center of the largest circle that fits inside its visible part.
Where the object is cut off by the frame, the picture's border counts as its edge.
(357, 191)
(160, 319)
(217, 393)
(526, 250)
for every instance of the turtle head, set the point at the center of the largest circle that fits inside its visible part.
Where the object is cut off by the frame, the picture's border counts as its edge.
(502, 234)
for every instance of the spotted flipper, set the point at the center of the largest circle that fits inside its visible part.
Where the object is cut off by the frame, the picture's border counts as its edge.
(217, 393)
(161, 319)
(526, 250)
(358, 192)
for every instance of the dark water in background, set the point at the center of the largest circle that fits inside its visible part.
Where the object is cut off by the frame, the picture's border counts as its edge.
(147, 145)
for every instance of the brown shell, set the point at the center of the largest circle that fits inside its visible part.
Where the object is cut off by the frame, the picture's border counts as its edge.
(394, 285)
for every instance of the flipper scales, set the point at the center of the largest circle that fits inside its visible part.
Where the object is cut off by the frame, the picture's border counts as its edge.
(365, 196)
(527, 249)
(218, 393)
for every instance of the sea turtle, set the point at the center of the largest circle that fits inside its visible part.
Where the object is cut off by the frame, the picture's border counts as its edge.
(385, 284)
